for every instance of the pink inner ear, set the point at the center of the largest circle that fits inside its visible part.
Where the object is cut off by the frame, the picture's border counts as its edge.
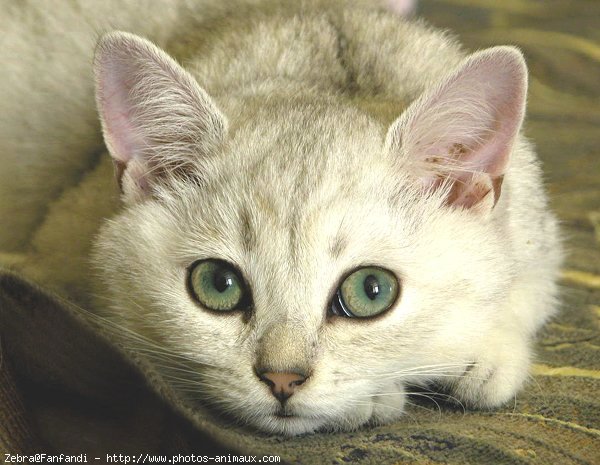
(479, 191)
(468, 124)
(155, 117)
(114, 88)
(402, 7)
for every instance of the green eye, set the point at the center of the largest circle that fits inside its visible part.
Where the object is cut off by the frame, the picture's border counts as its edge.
(216, 285)
(366, 292)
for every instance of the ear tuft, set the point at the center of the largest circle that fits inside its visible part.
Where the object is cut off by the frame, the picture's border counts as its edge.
(462, 132)
(155, 118)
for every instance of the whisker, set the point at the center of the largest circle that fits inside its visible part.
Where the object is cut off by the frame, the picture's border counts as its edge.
(418, 370)
(141, 344)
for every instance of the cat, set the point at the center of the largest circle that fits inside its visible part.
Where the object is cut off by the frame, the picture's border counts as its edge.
(326, 204)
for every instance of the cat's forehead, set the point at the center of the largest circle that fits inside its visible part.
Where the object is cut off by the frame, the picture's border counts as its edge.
(302, 127)
(297, 188)
(303, 178)
(306, 151)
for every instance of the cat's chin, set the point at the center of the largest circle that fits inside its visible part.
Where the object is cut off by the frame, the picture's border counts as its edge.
(292, 425)
(296, 424)
(275, 422)
(311, 416)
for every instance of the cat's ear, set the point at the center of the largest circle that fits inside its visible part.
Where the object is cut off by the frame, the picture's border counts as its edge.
(459, 136)
(157, 121)
(402, 7)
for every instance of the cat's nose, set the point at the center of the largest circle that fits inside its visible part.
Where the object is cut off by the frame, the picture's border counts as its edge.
(282, 385)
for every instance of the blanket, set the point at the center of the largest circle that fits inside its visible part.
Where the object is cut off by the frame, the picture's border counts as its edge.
(67, 387)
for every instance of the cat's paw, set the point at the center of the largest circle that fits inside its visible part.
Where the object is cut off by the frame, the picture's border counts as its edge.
(495, 376)
(389, 405)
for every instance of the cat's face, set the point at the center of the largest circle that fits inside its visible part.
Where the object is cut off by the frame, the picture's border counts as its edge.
(295, 198)
(294, 228)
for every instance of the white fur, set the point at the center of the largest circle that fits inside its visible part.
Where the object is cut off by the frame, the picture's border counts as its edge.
(309, 99)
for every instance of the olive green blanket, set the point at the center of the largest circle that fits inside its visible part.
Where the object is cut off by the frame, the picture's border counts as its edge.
(65, 388)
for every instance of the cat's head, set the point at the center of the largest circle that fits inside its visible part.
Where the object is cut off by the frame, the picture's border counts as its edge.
(295, 263)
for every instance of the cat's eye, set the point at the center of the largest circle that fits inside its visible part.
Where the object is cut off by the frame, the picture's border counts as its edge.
(217, 285)
(365, 293)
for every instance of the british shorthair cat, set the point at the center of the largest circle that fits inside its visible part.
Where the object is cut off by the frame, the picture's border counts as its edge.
(326, 202)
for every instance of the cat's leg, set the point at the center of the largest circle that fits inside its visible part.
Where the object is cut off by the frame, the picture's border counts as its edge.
(502, 357)
(497, 372)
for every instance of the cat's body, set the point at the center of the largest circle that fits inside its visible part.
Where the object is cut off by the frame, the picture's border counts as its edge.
(297, 168)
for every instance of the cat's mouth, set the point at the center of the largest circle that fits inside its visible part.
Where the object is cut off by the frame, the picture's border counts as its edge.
(285, 412)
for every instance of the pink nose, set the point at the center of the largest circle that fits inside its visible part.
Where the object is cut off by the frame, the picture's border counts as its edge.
(282, 385)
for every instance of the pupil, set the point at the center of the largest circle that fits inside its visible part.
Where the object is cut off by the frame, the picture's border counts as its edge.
(371, 286)
(223, 281)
